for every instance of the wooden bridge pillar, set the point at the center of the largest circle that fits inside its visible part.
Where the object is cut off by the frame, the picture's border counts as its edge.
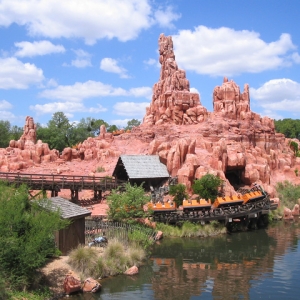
(74, 196)
(97, 194)
(54, 193)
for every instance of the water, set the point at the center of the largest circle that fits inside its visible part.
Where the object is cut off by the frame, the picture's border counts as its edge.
(261, 264)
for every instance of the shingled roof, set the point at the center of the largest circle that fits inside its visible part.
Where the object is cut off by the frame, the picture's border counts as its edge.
(142, 166)
(67, 209)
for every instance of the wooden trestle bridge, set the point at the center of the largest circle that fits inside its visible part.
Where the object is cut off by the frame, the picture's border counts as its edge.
(55, 183)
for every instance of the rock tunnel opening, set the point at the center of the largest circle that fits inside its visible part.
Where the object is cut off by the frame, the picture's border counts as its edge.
(234, 176)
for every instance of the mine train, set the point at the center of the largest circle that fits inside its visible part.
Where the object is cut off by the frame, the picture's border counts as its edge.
(244, 203)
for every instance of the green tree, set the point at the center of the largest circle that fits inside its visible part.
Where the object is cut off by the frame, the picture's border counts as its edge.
(4, 134)
(289, 127)
(179, 193)
(27, 235)
(207, 187)
(15, 132)
(132, 123)
(128, 204)
(61, 131)
(112, 128)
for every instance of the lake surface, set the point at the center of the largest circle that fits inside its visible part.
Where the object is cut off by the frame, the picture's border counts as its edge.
(260, 264)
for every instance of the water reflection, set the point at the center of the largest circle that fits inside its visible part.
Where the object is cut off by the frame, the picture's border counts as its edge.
(247, 265)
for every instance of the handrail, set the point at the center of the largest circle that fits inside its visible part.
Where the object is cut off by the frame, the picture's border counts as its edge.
(62, 181)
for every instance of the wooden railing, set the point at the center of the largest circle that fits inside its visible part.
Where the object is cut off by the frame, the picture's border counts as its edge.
(52, 182)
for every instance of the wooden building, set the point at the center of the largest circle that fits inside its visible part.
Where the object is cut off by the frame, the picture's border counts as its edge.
(141, 168)
(70, 237)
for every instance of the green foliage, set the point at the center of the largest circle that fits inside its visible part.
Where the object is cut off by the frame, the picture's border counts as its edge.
(295, 148)
(128, 204)
(132, 123)
(115, 259)
(140, 238)
(189, 229)
(289, 127)
(27, 235)
(207, 187)
(289, 193)
(100, 169)
(179, 193)
(4, 134)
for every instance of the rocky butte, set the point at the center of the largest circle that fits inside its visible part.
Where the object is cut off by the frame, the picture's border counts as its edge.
(232, 142)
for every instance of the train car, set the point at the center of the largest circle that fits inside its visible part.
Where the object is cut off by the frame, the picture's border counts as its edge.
(196, 207)
(162, 208)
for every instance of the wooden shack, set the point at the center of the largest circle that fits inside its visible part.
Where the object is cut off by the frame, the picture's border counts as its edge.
(70, 237)
(141, 168)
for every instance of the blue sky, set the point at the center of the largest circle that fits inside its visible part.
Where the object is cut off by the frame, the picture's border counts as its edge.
(99, 58)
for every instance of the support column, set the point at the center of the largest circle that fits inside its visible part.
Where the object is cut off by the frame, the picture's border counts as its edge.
(74, 196)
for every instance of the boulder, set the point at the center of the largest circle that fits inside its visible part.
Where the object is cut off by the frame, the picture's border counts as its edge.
(91, 285)
(132, 271)
(71, 285)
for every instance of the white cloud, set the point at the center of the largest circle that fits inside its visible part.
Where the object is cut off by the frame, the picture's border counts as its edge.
(111, 65)
(83, 59)
(90, 89)
(89, 19)
(278, 94)
(130, 108)
(296, 57)
(150, 61)
(120, 123)
(15, 74)
(80, 91)
(4, 105)
(165, 17)
(144, 91)
(194, 90)
(66, 107)
(225, 51)
(37, 48)
(7, 116)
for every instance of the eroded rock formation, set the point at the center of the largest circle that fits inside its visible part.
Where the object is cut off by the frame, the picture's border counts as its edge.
(172, 101)
(232, 142)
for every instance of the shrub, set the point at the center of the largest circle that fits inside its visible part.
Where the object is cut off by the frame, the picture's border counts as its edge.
(100, 169)
(179, 193)
(27, 235)
(128, 204)
(207, 187)
(288, 193)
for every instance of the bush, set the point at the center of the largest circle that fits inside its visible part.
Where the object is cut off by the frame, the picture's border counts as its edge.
(128, 204)
(288, 193)
(179, 193)
(27, 235)
(207, 187)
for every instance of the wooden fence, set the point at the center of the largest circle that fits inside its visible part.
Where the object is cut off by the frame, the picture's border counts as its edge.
(113, 230)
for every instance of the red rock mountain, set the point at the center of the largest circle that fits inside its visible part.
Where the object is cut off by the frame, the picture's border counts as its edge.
(232, 142)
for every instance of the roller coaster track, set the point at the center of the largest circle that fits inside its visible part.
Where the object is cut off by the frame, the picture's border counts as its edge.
(229, 214)
(55, 183)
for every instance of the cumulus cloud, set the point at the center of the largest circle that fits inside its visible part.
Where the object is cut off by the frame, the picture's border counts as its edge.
(89, 19)
(278, 95)
(130, 108)
(225, 51)
(111, 65)
(90, 89)
(37, 48)
(7, 115)
(66, 107)
(5, 105)
(83, 59)
(55, 19)
(165, 17)
(194, 90)
(80, 91)
(120, 123)
(15, 74)
(144, 91)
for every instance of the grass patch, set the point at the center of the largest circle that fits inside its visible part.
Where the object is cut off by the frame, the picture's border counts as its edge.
(100, 169)
(188, 229)
(115, 259)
